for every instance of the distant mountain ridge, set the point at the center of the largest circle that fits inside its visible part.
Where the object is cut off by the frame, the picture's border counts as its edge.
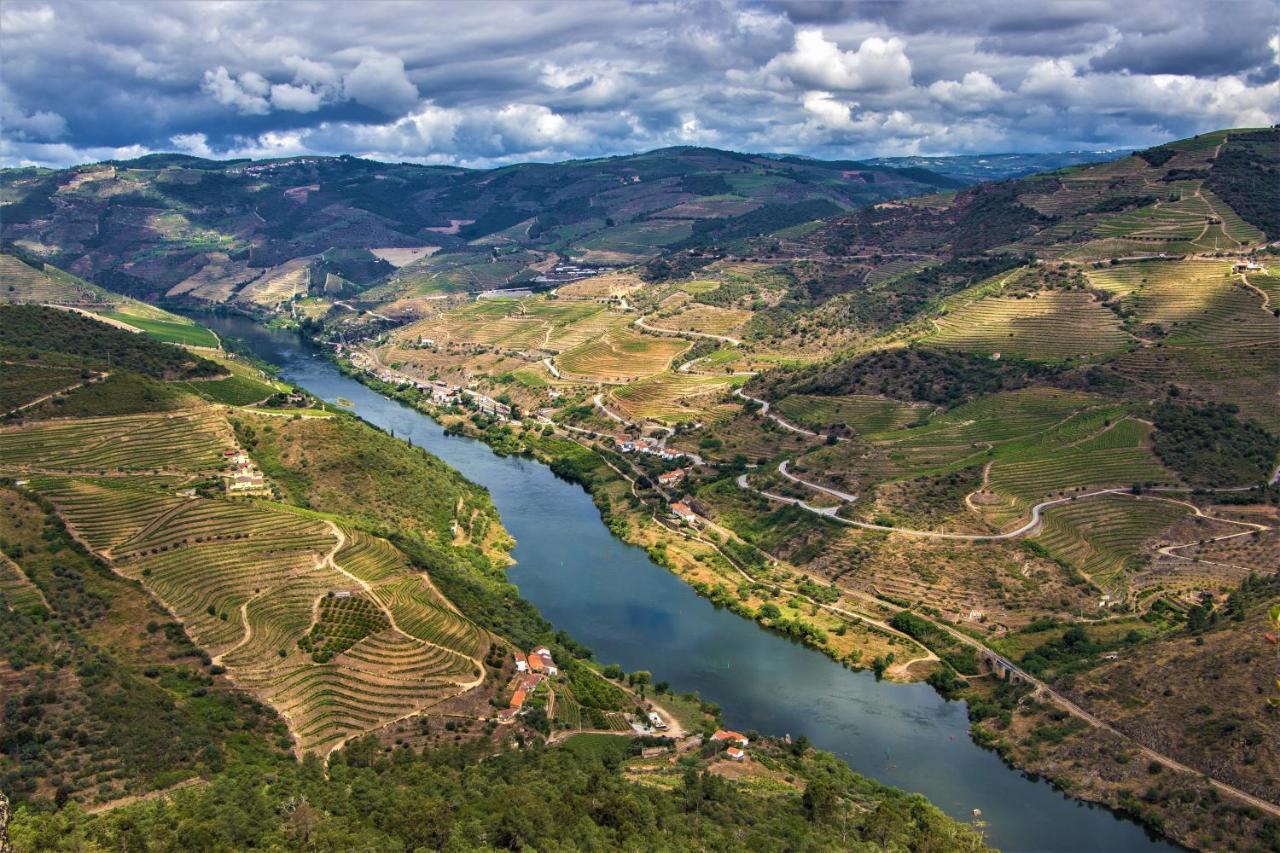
(974, 168)
(179, 227)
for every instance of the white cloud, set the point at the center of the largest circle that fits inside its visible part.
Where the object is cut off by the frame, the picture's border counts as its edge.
(25, 20)
(196, 144)
(237, 93)
(380, 82)
(974, 91)
(814, 62)
(299, 99)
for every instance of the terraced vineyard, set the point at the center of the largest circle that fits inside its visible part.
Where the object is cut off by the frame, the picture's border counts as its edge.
(1052, 325)
(1268, 283)
(421, 612)
(106, 511)
(371, 559)
(188, 441)
(1120, 456)
(268, 593)
(1197, 302)
(862, 414)
(1102, 536)
(705, 319)
(621, 355)
(17, 592)
(673, 397)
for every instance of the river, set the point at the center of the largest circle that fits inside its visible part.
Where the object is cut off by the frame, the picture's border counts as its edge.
(611, 597)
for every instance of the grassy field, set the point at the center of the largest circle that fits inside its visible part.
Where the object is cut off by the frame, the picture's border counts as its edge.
(171, 331)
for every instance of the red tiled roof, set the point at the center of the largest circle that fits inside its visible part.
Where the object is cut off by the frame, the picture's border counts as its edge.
(517, 699)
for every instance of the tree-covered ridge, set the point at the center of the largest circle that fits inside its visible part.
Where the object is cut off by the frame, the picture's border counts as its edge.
(1246, 175)
(1210, 446)
(530, 799)
(34, 332)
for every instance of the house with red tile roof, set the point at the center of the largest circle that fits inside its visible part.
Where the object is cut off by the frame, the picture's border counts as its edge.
(730, 735)
(683, 511)
(735, 754)
(671, 478)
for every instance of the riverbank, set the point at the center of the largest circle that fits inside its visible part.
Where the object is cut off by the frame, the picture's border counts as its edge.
(617, 601)
(1027, 732)
(778, 599)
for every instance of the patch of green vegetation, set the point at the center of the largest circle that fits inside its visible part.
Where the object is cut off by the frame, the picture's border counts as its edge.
(122, 393)
(168, 331)
(535, 799)
(27, 331)
(958, 655)
(340, 624)
(1210, 446)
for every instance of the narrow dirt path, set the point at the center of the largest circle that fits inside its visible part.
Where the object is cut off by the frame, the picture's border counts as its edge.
(37, 401)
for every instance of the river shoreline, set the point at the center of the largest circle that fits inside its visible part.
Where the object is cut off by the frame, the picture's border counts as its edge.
(614, 599)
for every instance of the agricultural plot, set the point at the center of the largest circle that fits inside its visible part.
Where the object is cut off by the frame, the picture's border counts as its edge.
(862, 414)
(704, 319)
(1117, 456)
(634, 241)
(171, 331)
(525, 324)
(190, 441)
(106, 511)
(423, 613)
(1268, 283)
(1196, 302)
(24, 383)
(371, 559)
(608, 285)
(218, 280)
(22, 283)
(279, 284)
(672, 397)
(621, 355)
(1103, 536)
(255, 586)
(17, 592)
(341, 622)
(1050, 326)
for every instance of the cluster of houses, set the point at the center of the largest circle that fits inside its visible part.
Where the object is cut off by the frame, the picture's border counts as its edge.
(627, 444)
(1246, 266)
(532, 670)
(734, 753)
(244, 478)
(441, 393)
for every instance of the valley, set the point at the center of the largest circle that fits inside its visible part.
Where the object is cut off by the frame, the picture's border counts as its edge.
(1016, 440)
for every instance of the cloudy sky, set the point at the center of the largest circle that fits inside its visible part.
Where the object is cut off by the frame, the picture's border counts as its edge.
(481, 83)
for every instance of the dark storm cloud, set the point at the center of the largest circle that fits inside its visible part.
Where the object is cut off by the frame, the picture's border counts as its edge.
(481, 83)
